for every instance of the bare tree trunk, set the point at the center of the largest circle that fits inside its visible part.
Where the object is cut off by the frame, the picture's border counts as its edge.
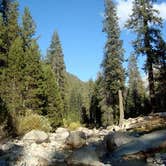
(151, 87)
(121, 109)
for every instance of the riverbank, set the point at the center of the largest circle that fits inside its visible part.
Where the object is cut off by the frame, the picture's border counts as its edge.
(132, 143)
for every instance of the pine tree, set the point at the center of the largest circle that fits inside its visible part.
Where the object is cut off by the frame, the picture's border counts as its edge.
(14, 76)
(53, 106)
(9, 47)
(13, 29)
(160, 67)
(3, 59)
(9, 28)
(136, 90)
(4, 7)
(55, 58)
(32, 78)
(113, 72)
(32, 65)
(28, 28)
(75, 105)
(2, 44)
(95, 110)
(146, 24)
(8, 35)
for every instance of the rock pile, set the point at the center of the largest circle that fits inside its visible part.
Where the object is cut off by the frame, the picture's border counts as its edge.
(60, 148)
(86, 147)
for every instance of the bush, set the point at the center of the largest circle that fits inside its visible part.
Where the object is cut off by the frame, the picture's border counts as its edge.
(31, 121)
(71, 125)
(74, 125)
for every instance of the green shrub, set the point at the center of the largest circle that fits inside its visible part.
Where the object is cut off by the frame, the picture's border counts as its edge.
(71, 125)
(31, 121)
(74, 125)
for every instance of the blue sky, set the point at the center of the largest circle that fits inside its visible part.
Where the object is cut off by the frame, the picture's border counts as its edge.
(79, 24)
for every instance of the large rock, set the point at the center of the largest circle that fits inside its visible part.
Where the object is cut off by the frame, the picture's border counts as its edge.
(88, 132)
(36, 136)
(84, 157)
(61, 134)
(61, 130)
(76, 139)
(115, 140)
(58, 138)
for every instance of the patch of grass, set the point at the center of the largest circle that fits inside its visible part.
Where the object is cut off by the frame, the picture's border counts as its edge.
(71, 125)
(74, 125)
(31, 121)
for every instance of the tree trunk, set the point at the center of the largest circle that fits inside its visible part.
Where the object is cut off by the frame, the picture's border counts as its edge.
(151, 87)
(150, 61)
(121, 109)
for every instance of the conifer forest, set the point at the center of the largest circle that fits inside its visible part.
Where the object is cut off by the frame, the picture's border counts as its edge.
(37, 92)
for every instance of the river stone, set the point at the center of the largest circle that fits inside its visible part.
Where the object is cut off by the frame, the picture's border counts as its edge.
(114, 140)
(61, 130)
(76, 139)
(84, 157)
(36, 136)
(88, 133)
(7, 146)
(61, 134)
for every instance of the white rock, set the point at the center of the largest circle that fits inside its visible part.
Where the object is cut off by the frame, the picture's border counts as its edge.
(61, 130)
(149, 160)
(61, 134)
(88, 133)
(95, 131)
(36, 136)
(76, 139)
(7, 146)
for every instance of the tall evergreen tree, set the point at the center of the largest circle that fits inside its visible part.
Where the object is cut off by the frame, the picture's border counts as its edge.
(9, 28)
(32, 64)
(161, 75)
(2, 44)
(113, 72)
(12, 27)
(32, 78)
(53, 105)
(95, 109)
(8, 35)
(4, 7)
(135, 98)
(75, 105)
(14, 76)
(9, 43)
(28, 28)
(146, 24)
(55, 58)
